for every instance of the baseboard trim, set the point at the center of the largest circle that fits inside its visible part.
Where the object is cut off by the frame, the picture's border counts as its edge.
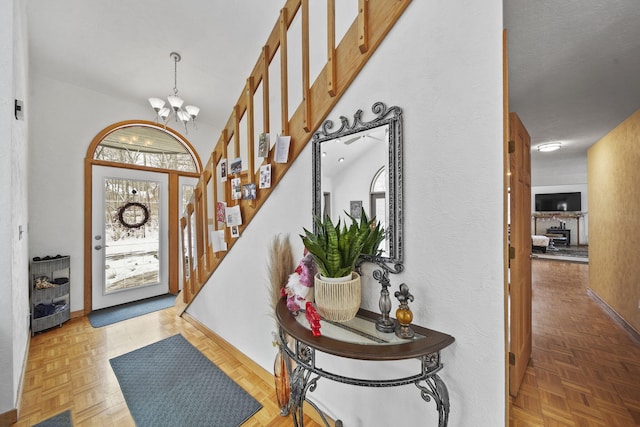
(76, 314)
(265, 375)
(9, 418)
(24, 373)
(614, 315)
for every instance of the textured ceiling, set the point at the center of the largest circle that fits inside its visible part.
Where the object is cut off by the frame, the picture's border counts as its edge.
(574, 69)
(122, 47)
(574, 66)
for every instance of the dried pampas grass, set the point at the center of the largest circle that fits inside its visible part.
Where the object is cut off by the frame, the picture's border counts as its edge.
(281, 265)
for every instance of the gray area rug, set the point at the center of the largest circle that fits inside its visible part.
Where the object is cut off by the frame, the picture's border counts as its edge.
(170, 383)
(571, 251)
(118, 313)
(63, 419)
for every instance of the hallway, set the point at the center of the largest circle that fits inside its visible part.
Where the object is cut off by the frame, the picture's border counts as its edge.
(585, 368)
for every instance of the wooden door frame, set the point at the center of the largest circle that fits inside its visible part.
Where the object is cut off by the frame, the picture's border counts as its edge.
(173, 208)
(519, 253)
(505, 214)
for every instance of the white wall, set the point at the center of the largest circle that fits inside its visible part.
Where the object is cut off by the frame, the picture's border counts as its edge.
(551, 169)
(441, 64)
(19, 205)
(6, 111)
(14, 322)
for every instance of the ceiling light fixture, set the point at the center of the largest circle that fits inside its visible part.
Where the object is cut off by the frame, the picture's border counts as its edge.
(164, 114)
(549, 146)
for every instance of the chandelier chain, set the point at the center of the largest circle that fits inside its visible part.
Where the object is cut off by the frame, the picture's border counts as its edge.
(176, 58)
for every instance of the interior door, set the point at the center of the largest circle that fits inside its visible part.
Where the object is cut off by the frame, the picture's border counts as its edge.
(520, 252)
(130, 235)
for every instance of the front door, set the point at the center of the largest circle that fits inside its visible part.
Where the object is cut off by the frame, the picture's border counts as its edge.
(520, 252)
(130, 235)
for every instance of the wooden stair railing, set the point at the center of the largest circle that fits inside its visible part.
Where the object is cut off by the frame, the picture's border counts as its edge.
(373, 21)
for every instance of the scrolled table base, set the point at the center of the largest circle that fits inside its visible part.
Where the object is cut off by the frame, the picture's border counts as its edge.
(301, 383)
(304, 378)
(437, 390)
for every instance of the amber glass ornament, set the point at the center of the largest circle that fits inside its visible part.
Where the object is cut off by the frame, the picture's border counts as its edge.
(404, 316)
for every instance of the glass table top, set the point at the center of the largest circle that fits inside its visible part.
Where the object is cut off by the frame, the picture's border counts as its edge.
(360, 330)
(359, 338)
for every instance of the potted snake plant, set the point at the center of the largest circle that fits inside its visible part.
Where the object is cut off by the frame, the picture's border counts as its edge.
(374, 234)
(335, 248)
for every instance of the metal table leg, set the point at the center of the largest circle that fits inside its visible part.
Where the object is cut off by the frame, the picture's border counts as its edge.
(436, 389)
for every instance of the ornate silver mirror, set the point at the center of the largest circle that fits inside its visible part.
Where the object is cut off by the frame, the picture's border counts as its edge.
(359, 166)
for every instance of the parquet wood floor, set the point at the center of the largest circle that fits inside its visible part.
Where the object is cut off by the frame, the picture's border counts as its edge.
(68, 368)
(585, 368)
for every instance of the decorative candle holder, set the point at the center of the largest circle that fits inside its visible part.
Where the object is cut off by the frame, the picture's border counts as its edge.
(384, 323)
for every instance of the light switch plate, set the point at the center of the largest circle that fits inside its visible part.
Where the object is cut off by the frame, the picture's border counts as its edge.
(19, 109)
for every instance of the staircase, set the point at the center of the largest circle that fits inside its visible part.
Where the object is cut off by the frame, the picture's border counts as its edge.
(240, 136)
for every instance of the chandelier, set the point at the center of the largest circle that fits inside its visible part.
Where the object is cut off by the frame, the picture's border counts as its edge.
(175, 109)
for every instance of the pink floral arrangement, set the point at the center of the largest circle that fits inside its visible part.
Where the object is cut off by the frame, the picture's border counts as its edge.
(299, 287)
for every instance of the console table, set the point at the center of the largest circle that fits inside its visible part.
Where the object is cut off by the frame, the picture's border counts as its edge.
(359, 339)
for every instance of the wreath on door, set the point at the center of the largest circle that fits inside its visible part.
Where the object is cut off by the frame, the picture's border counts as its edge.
(133, 205)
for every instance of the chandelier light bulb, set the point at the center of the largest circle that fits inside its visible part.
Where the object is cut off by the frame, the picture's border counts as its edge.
(183, 116)
(164, 113)
(156, 104)
(193, 111)
(175, 102)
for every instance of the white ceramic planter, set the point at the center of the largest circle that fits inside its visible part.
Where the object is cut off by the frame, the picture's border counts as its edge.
(338, 301)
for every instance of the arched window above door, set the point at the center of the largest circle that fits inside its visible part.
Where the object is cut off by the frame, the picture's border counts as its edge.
(379, 181)
(146, 145)
(378, 202)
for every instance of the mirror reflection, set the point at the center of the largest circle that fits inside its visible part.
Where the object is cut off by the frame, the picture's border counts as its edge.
(358, 167)
(353, 176)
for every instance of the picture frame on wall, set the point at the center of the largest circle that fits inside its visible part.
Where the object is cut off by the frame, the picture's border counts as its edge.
(263, 145)
(249, 191)
(223, 170)
(236, 166)
(265, 176)
(355, 208)
(236, 189)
